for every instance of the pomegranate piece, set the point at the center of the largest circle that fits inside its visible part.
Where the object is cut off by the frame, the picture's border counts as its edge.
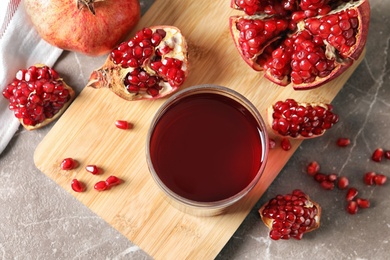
(343, 183)
(301, 120)
(352, 207)
(343, 142)
(92, 169)
(122, 124)
(304, 45)
(377, 155)
(77, 186)
(68, 164)
(313, 168)
(285, 143)
(290, 215)
(37, 96)
(152, 64)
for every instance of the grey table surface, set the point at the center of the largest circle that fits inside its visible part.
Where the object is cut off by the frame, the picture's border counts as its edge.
(39, 220)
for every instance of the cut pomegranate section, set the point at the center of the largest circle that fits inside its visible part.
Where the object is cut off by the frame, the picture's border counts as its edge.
(301, 120)
(151, 65)
(290, 215)
(304, 44)
(38, 96)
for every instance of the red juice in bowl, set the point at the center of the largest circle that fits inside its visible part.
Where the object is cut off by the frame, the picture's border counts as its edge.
(206, 146)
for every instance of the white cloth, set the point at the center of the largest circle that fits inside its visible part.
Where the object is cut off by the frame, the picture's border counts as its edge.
(20, 47)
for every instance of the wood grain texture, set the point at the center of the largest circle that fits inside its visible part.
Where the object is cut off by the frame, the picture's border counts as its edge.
(136, 208)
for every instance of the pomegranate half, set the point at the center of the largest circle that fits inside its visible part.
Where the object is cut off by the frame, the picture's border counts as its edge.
(300, 43)
(91, 27)
(38, 96)
(152, 64)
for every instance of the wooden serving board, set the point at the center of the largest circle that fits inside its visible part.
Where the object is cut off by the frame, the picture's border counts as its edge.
(136, 208)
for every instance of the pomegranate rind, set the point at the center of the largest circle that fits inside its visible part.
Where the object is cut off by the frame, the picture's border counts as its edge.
(310, 204)
(112, 75)
(342, 61)
(270, 119)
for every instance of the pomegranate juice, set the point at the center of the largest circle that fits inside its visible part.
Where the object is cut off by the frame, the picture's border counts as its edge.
(206, 147)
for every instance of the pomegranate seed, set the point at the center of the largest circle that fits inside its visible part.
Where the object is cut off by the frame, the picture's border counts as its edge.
(327, 185)
(332, 177)
(343, 142)
(92, 169)
(343, 183)
(271, 143)
(377, 155)
(68, 164)
(101, 186)
(320, 177)
(380, 179)
(122, 124)
(352, 207)
(77, 186)
(363, 203)
(369, 178)
(313, 168)
(351, 194)
(113, 181)
(285, 143)
(387, 154)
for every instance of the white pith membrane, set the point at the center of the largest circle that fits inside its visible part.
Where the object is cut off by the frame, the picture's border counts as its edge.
(331, 53)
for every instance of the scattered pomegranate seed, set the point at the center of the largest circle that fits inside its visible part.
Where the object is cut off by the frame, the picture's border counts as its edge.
(351, 194)
(380, 179)
(343, 142)
(320, 177)
(286, 145)
(101, 186)
(369, 177)
(68, 164)
(113, 181)
(343, 183)
(77, 186)
(332, 177)
(387, 154)
(122, 124)
(313, 168)
(92, 169)
(352, 207)
(327, 185)
(363, 203)
(377, 155)
(271, 143)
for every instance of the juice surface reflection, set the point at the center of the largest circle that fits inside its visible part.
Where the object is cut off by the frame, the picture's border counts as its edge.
(206, 147)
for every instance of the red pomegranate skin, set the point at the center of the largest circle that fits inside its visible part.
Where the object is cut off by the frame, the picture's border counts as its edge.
(62, 24)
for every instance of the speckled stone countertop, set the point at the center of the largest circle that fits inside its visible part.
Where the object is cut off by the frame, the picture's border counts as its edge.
(39, 220)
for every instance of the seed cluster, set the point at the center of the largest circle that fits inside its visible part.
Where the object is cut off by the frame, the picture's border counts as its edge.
(293, 119)
(292, 215)
(145, 52)
(36, 94)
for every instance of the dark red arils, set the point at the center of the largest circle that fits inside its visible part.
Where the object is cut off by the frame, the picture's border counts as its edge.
(285, 143)
(369, 177)
(343, 183)
(387, 155)
(68, 164)
(101, 186)
(291, 215)
(352, 207)
(313, 168)
(92, 169)
(380, 179)
(122, 124)
(301, 120)
(77, 186)
(363, 203)
(343, 142)
(327, 185)
(377, 155)
(351, 194)
(113, 181)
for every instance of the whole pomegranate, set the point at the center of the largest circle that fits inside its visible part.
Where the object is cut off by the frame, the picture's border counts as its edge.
(37, 96)
(92, 27)
(291, 215)
(303, 43)
(150, 65)
(301, 120)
